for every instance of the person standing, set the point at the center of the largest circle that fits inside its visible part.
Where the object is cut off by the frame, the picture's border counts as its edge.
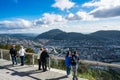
(13, 53)
(39, 60)
(75, 62)
(44, 56)
(68, 63)
(22, 54)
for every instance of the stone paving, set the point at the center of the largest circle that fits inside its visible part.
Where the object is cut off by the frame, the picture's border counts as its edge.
(28, 72)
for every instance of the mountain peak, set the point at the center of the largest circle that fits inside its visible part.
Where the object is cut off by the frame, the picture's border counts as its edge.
(55, 31)
(57, 34)
(50, 34)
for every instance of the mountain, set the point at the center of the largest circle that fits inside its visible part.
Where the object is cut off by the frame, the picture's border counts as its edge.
(57, 34)
(23, 35)
(20, 35)
(111, 34)
(60, 35)
(50, 34)
(69, 36)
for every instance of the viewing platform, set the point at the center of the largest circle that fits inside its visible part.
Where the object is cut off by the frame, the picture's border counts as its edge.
(28, 72)
(87, 70)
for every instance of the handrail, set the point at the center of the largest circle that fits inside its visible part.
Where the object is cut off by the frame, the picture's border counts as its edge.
(1, 54)
(81, 61)
(97, 63)
(32, 54)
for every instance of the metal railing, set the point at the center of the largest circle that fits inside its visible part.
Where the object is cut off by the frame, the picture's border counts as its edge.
(85, 65)
(4, 54)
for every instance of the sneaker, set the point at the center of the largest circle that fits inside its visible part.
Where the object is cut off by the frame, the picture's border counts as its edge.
(21, 65)
(39, 69)
(44, 70)
(75, 78)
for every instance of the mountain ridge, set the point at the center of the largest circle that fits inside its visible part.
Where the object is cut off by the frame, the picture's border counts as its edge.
(57, 34)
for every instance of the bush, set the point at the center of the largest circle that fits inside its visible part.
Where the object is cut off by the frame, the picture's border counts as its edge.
(30, 50)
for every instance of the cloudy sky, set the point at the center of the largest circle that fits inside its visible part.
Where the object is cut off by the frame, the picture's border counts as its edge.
(38, 16)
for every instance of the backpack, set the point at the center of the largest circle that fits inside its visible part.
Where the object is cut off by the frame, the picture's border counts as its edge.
(73, 60)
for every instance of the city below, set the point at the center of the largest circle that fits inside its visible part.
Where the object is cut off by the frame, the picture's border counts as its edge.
(103, 46)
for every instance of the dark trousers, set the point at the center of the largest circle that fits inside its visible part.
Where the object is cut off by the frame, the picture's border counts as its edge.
(22, 60)
(44, 65)
(39, 64)
(14, 59)
(74, 68)
(68, 68)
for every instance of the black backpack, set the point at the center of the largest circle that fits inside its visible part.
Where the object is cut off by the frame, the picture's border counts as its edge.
(73, 60)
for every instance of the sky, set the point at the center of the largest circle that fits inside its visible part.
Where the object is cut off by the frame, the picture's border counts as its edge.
(38, 16)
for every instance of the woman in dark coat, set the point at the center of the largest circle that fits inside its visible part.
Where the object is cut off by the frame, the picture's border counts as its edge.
(44, 56)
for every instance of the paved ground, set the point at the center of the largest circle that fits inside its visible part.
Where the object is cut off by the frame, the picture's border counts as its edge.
(27, 72)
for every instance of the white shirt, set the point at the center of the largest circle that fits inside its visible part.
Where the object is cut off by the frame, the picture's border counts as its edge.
(22, 52)
(39, 53)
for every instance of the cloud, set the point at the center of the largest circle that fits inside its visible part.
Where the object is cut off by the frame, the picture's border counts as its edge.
(113, 12)
(63, 4)
(49, 19)
(104, 8)
(102, 3)
(15, 24)
(21, 25)
(80, 15)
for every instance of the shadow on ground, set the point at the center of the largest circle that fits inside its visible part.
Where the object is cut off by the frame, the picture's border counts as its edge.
(62, 77)
(21, 74)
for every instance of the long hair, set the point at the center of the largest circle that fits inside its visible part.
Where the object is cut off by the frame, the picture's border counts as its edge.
(67, 54)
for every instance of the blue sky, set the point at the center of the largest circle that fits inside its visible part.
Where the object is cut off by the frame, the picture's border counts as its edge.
(38, 16)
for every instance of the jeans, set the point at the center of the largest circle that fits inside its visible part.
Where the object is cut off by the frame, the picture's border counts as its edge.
(74, 68)
(22, 60)
(14, 59)
(68, 68)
